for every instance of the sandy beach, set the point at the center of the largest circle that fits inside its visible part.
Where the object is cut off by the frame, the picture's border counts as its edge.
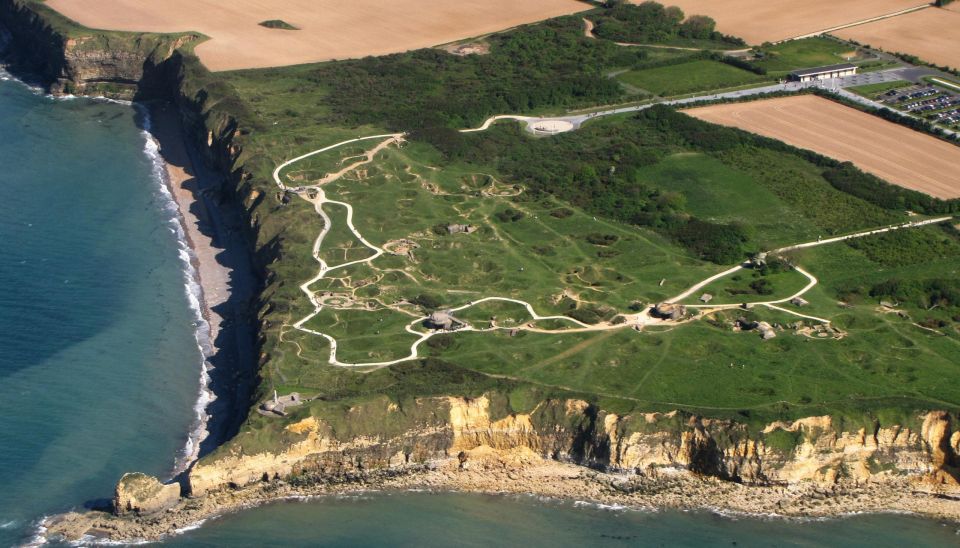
(185, 186)
(213, 229)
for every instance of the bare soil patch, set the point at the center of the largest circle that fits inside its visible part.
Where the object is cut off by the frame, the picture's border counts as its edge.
(329, 29)
(932, 34)
(773, 20)
(892, 152)
(468, 48)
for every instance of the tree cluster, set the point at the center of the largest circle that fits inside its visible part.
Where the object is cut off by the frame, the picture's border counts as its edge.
(653, 23)
(550, 64)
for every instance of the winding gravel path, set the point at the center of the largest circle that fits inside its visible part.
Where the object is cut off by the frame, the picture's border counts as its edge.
(316, 196)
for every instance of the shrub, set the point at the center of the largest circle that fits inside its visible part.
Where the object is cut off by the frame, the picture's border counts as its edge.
(443, 341)
(596, 238)
(509, 215)
(426, 301)
(762, 286)
(714, 242)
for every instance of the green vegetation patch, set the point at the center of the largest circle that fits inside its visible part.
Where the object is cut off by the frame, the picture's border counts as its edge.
(627, 211)
(797, 54)
(278, 24)
(871, 91)
(684, 78)
(652, 23)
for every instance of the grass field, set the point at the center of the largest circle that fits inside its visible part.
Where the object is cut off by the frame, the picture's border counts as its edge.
(327, 29)
(700, 75)
(806, 53)
(895, 153)
(872, 90)
(718, 192)
(541, 257)
(929, 34)
(544, 213)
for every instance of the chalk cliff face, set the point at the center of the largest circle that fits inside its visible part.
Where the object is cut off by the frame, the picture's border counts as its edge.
(118, 65)
(572, 430)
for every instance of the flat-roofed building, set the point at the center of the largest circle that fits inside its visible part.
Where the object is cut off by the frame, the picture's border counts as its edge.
(824, 73)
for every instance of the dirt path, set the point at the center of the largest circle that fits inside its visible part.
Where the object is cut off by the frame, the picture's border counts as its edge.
(315, 195)
(588, 27)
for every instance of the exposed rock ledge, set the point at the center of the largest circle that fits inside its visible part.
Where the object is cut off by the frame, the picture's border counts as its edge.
(661, 460)
(142, 494)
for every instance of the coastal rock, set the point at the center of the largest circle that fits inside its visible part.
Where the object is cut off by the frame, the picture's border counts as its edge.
(141, 494)
(809, 450)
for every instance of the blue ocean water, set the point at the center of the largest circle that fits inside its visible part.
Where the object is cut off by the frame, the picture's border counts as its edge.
(423, 519)
(99, 371)
(99, 365)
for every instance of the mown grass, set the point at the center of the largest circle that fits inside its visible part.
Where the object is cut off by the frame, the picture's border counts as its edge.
(870, 91)
(699, 75)
(720, 192)
(806, 53)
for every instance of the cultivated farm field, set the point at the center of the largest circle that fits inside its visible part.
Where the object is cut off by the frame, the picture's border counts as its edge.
(758, 22)
(892, 152)
(930, 34)
(328, 29)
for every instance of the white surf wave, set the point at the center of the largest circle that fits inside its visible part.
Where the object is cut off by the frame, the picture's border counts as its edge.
(194, 292)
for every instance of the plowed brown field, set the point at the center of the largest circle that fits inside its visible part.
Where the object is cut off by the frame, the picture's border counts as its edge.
(932, 34)
(772, 20)
(892, 152)
(330, 29)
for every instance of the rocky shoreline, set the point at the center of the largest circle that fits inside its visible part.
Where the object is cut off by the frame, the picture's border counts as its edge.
(523, 473)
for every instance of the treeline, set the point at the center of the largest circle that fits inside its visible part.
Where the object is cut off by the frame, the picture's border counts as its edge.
(850, 179)
(550, 64)
(843, 176)
(943, 292)
(653, 23)
(597, 169)
(741, 64)
(703, 55)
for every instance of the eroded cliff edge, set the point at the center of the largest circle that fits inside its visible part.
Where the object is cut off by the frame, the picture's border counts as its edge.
(432, 430)
(566, 449)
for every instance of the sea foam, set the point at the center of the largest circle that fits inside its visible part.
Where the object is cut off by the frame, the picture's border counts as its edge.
(194, 292)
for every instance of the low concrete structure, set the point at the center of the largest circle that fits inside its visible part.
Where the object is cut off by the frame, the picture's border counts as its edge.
(279, 404)
(443, 320)
(824, 73)
(460, 229)
(706, 298)
(669, 311)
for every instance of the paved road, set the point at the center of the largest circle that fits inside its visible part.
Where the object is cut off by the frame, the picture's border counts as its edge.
(835, 85)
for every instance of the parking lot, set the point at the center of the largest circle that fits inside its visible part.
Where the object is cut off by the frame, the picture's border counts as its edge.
(933, 103)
